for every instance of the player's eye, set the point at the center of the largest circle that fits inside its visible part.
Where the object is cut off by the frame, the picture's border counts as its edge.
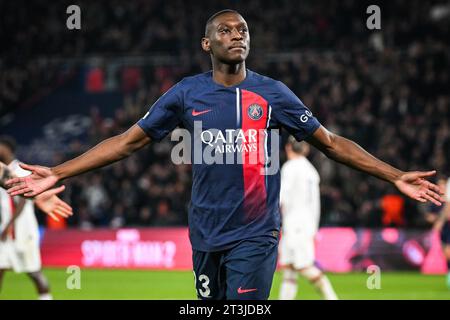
(244, 30)
(225, 30)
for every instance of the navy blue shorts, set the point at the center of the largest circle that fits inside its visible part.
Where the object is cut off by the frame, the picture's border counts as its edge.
(445, 233)
(242, 272)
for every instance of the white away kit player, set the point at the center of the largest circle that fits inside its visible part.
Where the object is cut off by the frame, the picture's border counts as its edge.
(300, 207)
(19, 233)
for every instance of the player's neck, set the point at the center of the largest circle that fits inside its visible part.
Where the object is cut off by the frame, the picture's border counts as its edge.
(229, 74)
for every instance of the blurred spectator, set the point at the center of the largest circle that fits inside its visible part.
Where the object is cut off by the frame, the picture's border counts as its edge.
(131, 78)
(165, 216)
(393, 210)
(95, 80)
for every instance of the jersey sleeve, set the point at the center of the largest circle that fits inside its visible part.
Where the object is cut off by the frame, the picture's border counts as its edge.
(164, 115)
(19, 171)
(289, 112)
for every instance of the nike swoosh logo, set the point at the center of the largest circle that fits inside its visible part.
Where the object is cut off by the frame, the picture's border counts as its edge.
(241, 291)
(197, 113)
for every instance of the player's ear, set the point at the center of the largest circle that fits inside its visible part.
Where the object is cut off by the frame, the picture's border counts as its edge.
(206, 45)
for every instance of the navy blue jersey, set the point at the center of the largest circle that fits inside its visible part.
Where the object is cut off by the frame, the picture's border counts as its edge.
(231, 201)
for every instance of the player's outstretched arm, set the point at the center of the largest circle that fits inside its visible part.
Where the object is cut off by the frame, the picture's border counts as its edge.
(106, 152)
(342, 150)
(17, 212)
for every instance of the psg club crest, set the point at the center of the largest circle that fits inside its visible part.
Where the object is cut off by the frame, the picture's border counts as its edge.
(255, 111)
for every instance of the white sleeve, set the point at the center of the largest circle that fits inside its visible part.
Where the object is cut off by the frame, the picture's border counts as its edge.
(18, 171)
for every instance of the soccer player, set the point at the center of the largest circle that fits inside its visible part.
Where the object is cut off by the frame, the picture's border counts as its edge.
(19, 233)
(234, 217)
(300, 210)
(440, 218)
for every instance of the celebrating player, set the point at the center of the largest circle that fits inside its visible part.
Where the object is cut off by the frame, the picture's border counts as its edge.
(234, 217)
(300, 208)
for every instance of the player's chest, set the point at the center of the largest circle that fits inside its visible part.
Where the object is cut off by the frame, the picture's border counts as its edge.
(232, 108)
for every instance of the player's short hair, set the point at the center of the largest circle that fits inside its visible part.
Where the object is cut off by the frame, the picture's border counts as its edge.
(215, 15)
(9, 142)
(297, 146)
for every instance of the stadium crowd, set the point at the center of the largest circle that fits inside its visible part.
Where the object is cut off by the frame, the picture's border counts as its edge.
(387, 90)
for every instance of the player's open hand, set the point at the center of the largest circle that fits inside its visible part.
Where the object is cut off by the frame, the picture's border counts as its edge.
(40, 180)
(49, 203)
(414, 185)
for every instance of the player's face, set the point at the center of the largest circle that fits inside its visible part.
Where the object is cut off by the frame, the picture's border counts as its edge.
(229, 39)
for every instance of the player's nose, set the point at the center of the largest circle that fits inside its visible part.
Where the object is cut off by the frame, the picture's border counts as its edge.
(236, 35)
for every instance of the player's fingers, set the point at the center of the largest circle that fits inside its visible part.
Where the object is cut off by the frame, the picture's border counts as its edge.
(14, 184)
(58, 190)
(67, 207)
(426, 173)
(30, 193)
(435, 195)
(420, 198)
(67, 212)
(427, 197)
(18, 191)
(13, 181)
(435, 187)
(62, 204)
(27, 166)
(53, 216)
(61, 212)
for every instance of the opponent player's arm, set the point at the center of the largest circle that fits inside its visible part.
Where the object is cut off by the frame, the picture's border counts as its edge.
(351, 154)
(19, 205)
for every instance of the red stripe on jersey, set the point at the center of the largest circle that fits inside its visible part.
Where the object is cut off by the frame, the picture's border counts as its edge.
(12, 231)
(253, 156)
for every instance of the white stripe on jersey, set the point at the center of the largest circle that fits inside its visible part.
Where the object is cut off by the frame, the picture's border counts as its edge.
(238, 109)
